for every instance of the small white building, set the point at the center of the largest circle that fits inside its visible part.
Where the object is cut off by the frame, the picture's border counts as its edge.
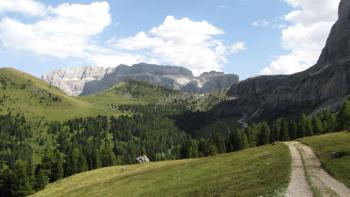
(142, 159)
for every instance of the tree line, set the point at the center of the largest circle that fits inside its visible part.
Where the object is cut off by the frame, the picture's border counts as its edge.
(162, 132)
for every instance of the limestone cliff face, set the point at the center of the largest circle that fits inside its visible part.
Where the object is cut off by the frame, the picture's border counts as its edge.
(88, 80)
(72, 80)
(324, 85)
(166, 76)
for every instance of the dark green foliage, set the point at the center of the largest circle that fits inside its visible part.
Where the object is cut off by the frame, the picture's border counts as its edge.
(284, 131)
(293, 129)
(344, 116)
(264, 135)
(41, 179)
(317, 126)
(21, 180)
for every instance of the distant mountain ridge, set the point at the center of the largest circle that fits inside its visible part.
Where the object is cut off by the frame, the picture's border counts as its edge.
(90, 80)
(72, 80)
(324, 85)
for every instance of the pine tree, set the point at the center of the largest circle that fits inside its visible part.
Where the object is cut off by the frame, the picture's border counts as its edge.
(71, 164)
(284, 131)
(264, 135)
(57, 171)
(317, 126)
(276, 130)
(21, 182)
(344, 116)
(6, 180)
(244, 140)
(41, 179)
(213, 150)
(293, 129)
(82, 164)
(107, 155)
(305, 126)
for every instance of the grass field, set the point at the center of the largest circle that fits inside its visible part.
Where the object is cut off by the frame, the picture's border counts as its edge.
(130, 92)
(252, 172)
(23, 93)
(324, 145)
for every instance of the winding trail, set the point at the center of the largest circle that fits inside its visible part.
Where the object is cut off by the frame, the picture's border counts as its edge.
(308, 176)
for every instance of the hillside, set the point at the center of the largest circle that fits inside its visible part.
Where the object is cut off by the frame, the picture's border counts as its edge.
(252, 172)
(23, 93)
(325, 145)
(130, 92)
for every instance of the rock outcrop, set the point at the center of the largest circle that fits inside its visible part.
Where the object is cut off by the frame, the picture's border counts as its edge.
(72, 80)
(324, 85)
(88, 80)
(173, 77)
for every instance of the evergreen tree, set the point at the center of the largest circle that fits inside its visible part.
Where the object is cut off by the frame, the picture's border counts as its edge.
(264, 135)
(344, 116)
(82, 164)
(6, 180)
(107, 155)
(213, 150)
(57, 171)
(244, 140)
(316, 125)
(203, 147)
(41, 179)
(21, 181)
(284, 131)
(276, 130)
(331, 121)
(293, 129)
(305, 126)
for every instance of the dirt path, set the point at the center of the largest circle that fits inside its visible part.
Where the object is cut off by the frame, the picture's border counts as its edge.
(315, 178)
(298, 185)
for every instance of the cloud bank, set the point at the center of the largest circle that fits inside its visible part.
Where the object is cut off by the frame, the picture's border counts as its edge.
(71, 31)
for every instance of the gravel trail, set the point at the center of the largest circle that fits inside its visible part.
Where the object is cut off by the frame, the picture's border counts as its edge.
(303, 158)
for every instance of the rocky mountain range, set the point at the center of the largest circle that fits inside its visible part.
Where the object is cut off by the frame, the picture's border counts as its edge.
(89, 80)
(324, 85)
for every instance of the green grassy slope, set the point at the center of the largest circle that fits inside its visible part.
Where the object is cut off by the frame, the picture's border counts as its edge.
(324, 145)
(23, 93)
(252, 172)
(130, 92)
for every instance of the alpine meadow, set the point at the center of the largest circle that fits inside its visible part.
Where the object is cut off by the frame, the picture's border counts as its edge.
(139, 98)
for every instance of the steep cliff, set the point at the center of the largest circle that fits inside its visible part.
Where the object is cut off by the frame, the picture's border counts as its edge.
(72, 80)
(324, 85)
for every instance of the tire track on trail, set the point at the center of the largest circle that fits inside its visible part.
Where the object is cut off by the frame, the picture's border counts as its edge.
(317, 180)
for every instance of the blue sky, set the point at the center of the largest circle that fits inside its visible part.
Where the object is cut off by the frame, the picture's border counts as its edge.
(254, 36)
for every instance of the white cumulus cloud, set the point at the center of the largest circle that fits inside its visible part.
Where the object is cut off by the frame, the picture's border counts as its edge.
(181, 42)
(310, 24)
(27, 7)
(66, 31)
(71, 31)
